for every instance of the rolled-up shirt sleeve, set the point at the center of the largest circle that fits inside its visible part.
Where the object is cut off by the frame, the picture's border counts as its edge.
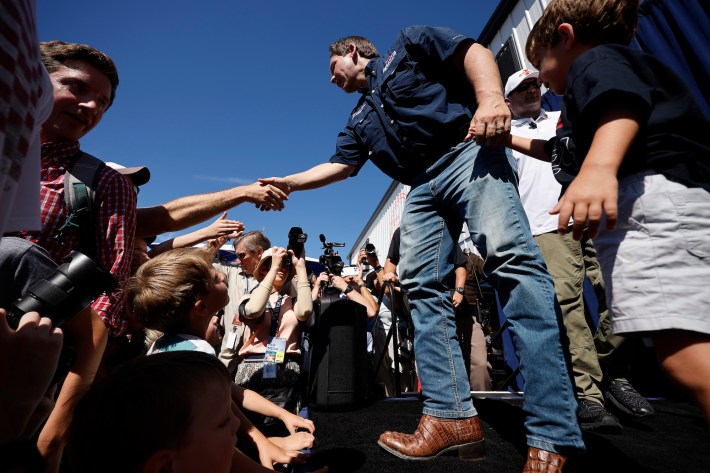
(349, 150)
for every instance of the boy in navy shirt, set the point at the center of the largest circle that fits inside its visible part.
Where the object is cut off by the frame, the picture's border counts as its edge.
(633, 156)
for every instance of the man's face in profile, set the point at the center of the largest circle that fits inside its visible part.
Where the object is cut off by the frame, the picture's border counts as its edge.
(81, 96)
(344, 72)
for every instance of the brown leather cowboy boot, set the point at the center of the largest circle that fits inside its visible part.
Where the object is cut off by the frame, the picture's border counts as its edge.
(435, 436)
(542, 461)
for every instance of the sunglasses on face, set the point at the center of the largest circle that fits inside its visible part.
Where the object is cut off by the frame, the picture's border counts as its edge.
(241, 256)
(525, 86)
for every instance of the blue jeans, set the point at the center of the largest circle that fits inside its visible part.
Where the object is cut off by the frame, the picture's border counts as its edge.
(477, 185)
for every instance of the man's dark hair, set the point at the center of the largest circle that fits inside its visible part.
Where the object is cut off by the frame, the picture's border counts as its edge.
(56, 53)
(364, 46)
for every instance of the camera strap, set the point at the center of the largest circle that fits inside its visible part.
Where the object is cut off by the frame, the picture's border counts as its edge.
(80, 183)
(275, 314)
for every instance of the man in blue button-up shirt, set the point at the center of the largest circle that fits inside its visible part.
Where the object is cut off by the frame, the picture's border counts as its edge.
(432, 115)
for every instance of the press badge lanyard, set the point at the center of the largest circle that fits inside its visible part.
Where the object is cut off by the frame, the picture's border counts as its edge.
(276, 348)
(275, 314)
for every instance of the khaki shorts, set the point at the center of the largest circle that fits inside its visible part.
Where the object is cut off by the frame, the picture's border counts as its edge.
(656, 262)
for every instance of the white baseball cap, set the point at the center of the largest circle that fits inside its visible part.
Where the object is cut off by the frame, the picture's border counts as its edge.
(517, 79)
(139, 174)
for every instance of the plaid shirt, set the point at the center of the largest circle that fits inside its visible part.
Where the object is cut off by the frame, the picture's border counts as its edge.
(115, 225)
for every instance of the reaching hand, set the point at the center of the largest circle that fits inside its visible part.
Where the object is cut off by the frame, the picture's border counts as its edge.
(277, 185)
(294, 422)
(30, 355)
(590, 194)
(215, 244)
(278, 182)
(223, 226)
(265, 196)
(390, 277)
(295, 442)
(270, 453)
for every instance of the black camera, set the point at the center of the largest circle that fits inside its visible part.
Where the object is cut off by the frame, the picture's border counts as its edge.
(332, 262)
(68, 291)
(296, 239)
(369, 249)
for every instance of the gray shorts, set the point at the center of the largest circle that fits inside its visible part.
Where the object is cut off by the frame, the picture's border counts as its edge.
(656, 262)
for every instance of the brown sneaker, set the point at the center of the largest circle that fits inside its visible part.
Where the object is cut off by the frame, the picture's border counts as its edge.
(542, 461)
(435, 436)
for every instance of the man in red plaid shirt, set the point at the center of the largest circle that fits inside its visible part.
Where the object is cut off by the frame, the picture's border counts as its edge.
(84, 82)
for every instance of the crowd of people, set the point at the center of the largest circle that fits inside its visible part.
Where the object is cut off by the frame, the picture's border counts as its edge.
(196, 364)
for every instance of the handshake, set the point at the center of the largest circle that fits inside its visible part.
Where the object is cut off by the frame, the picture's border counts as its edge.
(269, 194)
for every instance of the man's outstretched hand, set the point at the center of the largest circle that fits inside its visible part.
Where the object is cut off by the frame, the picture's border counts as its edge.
(266, 196)
(277, 184)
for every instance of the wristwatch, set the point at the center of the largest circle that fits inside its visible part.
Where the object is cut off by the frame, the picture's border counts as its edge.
(459, 290)
(347, 290)
(378, 269)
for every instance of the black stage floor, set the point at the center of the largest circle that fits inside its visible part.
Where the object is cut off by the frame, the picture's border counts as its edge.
(675, 440)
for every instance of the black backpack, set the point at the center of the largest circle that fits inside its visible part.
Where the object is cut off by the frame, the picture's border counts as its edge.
(80, 182)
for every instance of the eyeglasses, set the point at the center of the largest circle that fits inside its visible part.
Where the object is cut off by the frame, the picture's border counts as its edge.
(525, 86)
(241, 256)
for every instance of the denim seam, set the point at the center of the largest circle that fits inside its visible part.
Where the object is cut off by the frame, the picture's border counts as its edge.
(442, 314)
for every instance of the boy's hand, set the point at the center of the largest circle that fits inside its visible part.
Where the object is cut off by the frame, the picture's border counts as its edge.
(490, 124)
(592, 192)
(294, 422)
(595, 189)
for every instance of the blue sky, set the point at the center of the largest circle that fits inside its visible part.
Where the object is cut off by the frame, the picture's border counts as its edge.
(220, 94)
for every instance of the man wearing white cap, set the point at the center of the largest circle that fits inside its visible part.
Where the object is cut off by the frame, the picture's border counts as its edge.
(566, 259)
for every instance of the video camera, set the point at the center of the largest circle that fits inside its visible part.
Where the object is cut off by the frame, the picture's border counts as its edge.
(332, 262)
(68, 291)
(296, 239)
(369, 249)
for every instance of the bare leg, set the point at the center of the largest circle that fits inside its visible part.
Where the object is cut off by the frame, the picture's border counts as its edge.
(685, 356)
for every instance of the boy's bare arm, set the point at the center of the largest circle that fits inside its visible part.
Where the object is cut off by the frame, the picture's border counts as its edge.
(595, 189)
(269, 452)
(255, 402)
(533, 148)
(89, 335)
